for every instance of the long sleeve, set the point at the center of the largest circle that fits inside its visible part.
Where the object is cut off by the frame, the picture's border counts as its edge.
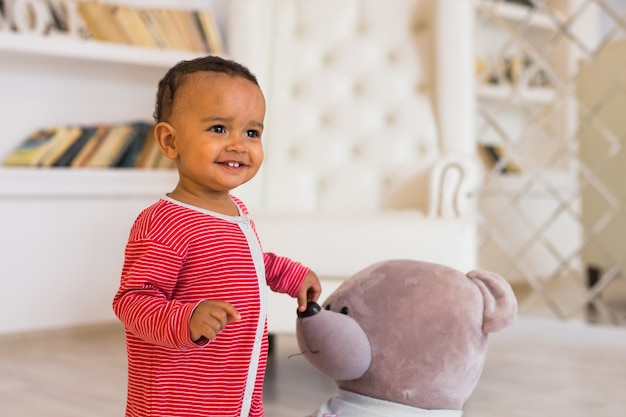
(176, 257)
(283, 274)
(144, 301)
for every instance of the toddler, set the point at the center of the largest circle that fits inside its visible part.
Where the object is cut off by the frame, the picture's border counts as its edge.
(193, 292)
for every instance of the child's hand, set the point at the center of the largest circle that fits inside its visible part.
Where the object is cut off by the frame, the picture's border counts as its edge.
(309, 291)
(211, 317)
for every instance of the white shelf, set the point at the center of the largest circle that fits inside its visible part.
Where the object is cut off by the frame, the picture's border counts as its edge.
(510, 184)
(516, 13)
(516, 95)
(63, 46)
(84, 183)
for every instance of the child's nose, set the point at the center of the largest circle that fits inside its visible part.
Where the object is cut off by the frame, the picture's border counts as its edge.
(236, 145)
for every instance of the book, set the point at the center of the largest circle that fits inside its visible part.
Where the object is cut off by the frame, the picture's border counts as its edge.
(33, 148)
(210, 30)
(128, 158)
(149, 20)
(111, 147)
(488, 158)
(89, 147)
(100, 22)
(134, 27)
(149, 151)
(493, 156)
(60, 144)
(129, 144)
(186, 24)
(164, 21)
(66, 159)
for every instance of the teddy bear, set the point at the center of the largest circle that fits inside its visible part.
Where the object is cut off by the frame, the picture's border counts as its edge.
(405, 338)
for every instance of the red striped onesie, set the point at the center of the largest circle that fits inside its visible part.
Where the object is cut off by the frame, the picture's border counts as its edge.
(178, 255)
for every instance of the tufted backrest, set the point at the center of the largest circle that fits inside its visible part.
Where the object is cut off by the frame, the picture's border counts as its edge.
(351, 126)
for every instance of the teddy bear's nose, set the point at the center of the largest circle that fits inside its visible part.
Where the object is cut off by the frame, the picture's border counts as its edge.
(312, 308)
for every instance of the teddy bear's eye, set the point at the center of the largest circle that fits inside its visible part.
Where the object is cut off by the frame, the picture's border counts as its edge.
(345, 310)
(327, 307)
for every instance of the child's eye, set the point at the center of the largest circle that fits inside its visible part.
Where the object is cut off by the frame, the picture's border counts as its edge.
(253, 133)
(217, 129)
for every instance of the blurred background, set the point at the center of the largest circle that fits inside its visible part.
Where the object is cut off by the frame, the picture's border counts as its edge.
(545, 97)
(481, 134)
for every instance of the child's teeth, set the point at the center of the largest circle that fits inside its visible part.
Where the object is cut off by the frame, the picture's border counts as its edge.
(233, 164)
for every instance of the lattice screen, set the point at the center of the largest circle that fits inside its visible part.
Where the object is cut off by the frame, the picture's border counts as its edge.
(551, 130)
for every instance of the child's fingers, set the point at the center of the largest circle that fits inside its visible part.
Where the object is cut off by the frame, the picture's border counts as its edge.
(313, 294)
(211, 317)
(310, 291)
(224, 313)
(303, 300)
(232, 313)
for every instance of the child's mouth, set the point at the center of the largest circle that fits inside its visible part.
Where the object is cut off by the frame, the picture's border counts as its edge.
(233, 164)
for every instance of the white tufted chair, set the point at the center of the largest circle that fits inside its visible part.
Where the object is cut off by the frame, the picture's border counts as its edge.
(355, 168)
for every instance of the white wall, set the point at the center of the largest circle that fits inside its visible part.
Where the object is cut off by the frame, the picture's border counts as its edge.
(50, 276)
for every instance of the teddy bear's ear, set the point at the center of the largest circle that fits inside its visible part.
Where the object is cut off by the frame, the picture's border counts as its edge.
(500, 304)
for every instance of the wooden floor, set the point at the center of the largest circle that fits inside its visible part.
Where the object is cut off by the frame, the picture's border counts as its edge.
(539, 368)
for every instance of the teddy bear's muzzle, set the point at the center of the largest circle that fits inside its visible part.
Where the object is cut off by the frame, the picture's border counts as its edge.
(333, 342)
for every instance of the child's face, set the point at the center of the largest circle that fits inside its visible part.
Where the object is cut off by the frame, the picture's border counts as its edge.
(217, 123)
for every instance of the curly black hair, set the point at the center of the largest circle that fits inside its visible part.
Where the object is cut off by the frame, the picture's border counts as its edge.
(176, 76)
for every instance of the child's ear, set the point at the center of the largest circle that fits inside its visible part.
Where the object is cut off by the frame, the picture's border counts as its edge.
(165, 136)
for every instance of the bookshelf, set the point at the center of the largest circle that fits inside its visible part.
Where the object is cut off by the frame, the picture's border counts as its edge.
(67, 47)
(63, 230)
(515, 96)
(73, 67)
(521, 69)
(87, 183)
(517, 13)
(125, 76)
(526, 109)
